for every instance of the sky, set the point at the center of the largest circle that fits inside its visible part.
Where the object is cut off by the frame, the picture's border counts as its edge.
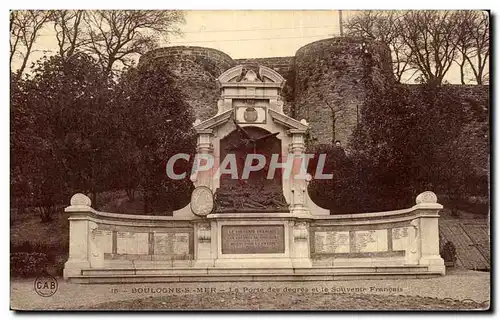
(257, 34)
(246, 34)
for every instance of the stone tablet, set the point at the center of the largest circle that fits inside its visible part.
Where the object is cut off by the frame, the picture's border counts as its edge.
(132, 243)
(331, 242)
(253, 239)
(171, 243)
(400, 239)
(103, 240)
(370, 241)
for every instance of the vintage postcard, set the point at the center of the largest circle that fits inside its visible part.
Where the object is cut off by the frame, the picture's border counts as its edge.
(249, 160)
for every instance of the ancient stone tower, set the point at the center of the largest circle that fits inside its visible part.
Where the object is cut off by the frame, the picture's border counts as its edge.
(325, 79)
(331, 78)
(196, 69)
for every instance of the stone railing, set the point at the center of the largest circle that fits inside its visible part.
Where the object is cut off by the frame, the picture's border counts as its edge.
(402, 242)
(104, 240)
(401, 237)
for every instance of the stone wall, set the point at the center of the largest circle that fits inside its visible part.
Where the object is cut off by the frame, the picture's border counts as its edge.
(329, 78)
(323, 75)
(196, 69)
(282, 65)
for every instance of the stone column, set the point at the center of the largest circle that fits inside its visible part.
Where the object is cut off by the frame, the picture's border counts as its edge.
(299, 177)
(427, 210)
(205, 150)
(79, 234)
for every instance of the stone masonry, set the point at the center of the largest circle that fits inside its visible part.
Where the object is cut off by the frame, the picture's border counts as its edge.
(323, 79)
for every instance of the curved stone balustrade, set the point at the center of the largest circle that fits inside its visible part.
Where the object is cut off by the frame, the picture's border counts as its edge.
(396, 243)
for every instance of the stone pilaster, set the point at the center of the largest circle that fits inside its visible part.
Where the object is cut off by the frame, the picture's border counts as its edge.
(204, 151)
(428, 240)
(299, 177)
(300, 252)
(203, 246)
(79, 235)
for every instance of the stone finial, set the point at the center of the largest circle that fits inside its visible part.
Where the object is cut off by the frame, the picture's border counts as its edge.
(196, 122)
(79, 199)
(426, 197)
(304, 121)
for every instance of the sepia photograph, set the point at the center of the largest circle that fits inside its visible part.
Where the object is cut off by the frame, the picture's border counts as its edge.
(249, 160)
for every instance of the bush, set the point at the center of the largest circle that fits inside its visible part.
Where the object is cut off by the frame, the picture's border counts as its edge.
(358, 185)
(447, 251)
(28, 264)
(29, 259)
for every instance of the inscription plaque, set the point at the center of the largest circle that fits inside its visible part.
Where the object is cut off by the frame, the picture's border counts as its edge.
(103, 240)
(132, 243)
(331, 241)
(171, 243)
(370, 241)
(253, 239)
(400, 239)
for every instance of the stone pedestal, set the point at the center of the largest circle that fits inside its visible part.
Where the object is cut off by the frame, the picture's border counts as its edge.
(268, 240)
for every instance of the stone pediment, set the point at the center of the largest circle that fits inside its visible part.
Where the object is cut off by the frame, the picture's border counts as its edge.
(213, 122)
(243, 76)
(288, 122)
(280, 118)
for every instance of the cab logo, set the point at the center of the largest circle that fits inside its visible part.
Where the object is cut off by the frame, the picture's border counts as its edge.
(46, 286)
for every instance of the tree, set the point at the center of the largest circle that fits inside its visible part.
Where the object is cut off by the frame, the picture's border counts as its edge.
(473, 44)
(68, 26)
(21, 124)
(428, 41)
(337, 193)
(66, 99)
(382, 26)
(117, 35)
(430, 35)
(408, 141)
(156, 123)
(25, 27)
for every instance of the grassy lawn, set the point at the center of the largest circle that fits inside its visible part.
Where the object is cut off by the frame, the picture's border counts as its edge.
(298, 301)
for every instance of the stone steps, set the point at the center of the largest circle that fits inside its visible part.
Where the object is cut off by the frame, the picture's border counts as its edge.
(110, 275)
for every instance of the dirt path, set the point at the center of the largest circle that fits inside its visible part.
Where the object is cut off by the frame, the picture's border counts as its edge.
(458, 285)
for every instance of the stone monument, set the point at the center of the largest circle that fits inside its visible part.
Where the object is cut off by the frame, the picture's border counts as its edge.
(255, 225)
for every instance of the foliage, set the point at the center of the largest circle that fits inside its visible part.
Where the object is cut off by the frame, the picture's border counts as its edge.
(407, 141)
(74, 129)
(404, 134)
(156, 123)
(28, 264)
(59, 119)
(37, 258)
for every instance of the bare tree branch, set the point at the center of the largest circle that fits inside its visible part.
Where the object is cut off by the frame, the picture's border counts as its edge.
(118, 35)
(25, 27)
(70, 36)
